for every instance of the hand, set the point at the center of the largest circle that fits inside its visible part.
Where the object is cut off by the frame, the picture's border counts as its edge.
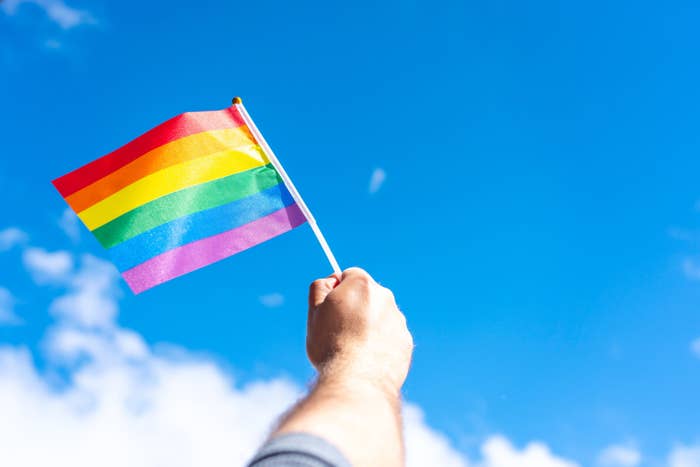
(355, 332)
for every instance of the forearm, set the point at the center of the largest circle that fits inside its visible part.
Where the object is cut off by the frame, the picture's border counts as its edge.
(358, 341)
(359, 417)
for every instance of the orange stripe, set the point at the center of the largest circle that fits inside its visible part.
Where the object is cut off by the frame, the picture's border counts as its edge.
(167, 155)
(178, 127)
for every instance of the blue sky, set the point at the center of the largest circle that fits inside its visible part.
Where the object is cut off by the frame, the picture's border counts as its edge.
(536, 214)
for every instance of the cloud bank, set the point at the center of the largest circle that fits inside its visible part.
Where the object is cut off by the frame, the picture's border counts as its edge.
(106, 397)
(122, 402)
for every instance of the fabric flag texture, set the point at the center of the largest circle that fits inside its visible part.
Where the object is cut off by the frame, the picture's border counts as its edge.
(191, 191)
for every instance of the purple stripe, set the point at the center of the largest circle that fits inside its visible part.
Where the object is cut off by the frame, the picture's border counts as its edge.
(195, 255)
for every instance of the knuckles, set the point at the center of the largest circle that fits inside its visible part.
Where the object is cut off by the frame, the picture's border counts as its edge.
(356, 274)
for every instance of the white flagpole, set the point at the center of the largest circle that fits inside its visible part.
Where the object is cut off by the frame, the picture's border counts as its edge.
(238, 104)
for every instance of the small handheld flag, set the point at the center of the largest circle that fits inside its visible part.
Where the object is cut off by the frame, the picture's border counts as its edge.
(194, 190)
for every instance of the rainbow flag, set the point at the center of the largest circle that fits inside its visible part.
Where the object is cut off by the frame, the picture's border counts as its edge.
(191, 191)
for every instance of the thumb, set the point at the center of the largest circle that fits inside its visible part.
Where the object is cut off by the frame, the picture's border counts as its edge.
(320, 288)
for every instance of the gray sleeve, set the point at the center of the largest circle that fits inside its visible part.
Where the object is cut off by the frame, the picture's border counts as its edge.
(298, 450)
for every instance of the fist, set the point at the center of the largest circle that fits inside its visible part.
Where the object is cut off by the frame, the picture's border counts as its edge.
(356, 332)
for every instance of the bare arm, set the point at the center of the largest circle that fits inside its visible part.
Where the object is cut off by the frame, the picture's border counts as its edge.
(358, 341)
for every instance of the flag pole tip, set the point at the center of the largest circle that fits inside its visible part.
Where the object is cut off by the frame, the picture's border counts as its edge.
(236, 100)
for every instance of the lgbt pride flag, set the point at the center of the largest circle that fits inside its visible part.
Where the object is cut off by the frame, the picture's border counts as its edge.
(192, 191)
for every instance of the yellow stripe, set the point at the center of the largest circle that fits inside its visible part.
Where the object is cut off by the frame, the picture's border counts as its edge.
(172, 179)
(169, 154)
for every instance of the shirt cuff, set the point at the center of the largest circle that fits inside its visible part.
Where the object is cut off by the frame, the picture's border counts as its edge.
(298, 450)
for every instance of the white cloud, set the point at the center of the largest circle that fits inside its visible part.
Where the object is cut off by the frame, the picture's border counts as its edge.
(48, 267)
(497, 451)
(272, 300)
(67, 344)
(620, 455)
(376, 180)
(684, 456)
(11, 237)
(425, 446)
(695, 347)
(154, 411)
(150, 408)
(57, 10)
(7, 308)
(123, 402)
(69, 221)
(691, 269)
(91, 299)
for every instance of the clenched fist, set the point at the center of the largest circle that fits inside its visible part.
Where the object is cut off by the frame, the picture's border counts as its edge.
(355, 331)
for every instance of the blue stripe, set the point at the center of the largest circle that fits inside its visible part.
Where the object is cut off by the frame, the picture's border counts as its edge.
(199, 225)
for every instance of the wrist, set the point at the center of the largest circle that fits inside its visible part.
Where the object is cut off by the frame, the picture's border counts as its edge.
(351, 379)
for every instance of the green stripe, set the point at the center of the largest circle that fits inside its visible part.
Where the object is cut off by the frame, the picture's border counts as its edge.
(184, 202)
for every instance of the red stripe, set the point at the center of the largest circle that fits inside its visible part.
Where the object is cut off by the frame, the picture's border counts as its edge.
(177, 127)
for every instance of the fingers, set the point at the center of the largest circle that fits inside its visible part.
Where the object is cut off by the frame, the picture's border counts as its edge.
(320, 288)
